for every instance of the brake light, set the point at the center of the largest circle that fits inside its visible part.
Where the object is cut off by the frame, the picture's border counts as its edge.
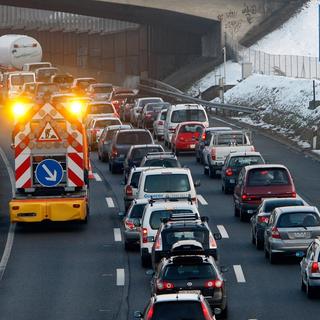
(229, 172)
(114, 152)
(262, 219)
(194, 200)
(293, 194)
(157, 244)
(129, 191)
(150, 313)
(275, 234)
(213, 154)
(204, 135)
(244, 197)
(129, 224)
(315, 267)
(164, 285)
(160, 122)
(213, 284)
(205, 311)
(212, 242)
(115, 102)
(144, 235)
(253, 148)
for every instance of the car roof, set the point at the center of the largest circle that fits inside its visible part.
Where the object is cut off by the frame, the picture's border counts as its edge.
(244, 153)
(84, 79)
(162, 203)
(140, 169)
(67, 95)
(175, 297)
(187, 106)
(266, 200)
(191, 122)
(100, 102)
(160, 155)
(265, 166)
(170, 170)
(185, 224)
(140, 201)
(150, 145)
(147, 98)
(219, 129)
(105, 118)
(101, 84)
(119, 126)
(282, 210)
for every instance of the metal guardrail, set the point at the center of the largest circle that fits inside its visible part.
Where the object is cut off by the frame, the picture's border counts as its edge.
(150, 86)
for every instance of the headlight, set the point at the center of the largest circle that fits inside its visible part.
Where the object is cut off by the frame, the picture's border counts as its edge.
(19, 109)
(76, 107)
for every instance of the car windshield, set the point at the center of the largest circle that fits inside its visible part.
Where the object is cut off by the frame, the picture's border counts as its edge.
(135, 179)
(146, 101)
(189, 272)
(167, 183)
(157, 215)
(106, 122)
(243, 161)
(268, 176)
(178, 310)
(19, 79)
(100, 108)
(132, 138)
(271, 205)
(139, 153)
(191, 128)
(137, 211)
(101, 89)
(188, 115)
(166, 163)
(170, 237)
(298, 219)
(228, 139)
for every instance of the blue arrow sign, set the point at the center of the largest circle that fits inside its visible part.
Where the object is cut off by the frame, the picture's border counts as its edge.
(49, 173)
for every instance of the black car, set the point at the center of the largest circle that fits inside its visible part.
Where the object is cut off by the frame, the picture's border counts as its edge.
(173, 232)
(135, 154)
(160, 159)
(189, 272)
(233, 164)
(121, 143)
(260, 220)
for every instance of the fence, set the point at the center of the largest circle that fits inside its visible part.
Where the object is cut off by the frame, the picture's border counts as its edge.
(271, 64)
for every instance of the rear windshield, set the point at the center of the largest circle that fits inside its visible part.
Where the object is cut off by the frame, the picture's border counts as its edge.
(62, 79)
(189, 272)
(298, 219)
(245, 161)
(135, 179)
(137, 211)
(48, 88)
(157, 215)
(106, 123)
(270, 206)
(146, 101)
(19, 80)
(106, 89)
(132, 138)
(166, 163)
(100, 108)
(85, 83)
(267, 177)
(139, 153)
(171, 237)
(123, 96)
(178, 310)
(34, 67)
(163, 115)
(155, 108)
(188, 115)
(167, 183)
(46, 72)
(192, 128)
(229, 139)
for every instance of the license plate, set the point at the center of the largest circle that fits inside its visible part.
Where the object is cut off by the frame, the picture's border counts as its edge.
(192, 146)
(301, 235)
(232, 181)
(218, 171)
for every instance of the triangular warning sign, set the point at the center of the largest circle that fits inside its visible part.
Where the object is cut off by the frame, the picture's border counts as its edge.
(48, 134)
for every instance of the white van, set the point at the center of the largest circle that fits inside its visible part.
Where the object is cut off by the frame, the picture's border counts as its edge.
(35, 65)
(182, 113)
(169, 183)
(152, 217)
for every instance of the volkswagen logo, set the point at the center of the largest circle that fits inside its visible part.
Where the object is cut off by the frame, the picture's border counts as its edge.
(189, 284)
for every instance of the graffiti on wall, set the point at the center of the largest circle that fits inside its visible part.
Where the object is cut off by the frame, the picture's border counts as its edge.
(249, 12)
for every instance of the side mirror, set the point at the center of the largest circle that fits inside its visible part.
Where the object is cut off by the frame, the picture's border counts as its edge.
(137, 314)
(121, 214)
(197, 183)
(217, 311)
(150, 272)
(224, 269)
(217, 236)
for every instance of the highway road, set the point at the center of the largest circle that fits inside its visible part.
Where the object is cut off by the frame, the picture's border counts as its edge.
(76, 272)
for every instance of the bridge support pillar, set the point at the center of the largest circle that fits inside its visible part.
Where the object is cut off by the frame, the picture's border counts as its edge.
(211, 42)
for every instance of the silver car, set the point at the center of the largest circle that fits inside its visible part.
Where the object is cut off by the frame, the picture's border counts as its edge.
(158, 124)
(310, 269)
(290, 231)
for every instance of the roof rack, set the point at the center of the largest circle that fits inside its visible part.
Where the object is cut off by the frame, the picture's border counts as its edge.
(160, 154)
(153, 200)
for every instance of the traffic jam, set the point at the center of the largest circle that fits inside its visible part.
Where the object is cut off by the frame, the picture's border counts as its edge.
(60, 122)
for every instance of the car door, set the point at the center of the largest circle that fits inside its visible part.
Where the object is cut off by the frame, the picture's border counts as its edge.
(238, 188)
(207, 147)
(224, 167)
(306, 261)
(267, 232)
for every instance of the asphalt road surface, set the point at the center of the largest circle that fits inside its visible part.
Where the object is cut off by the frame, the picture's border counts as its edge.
(69, 271)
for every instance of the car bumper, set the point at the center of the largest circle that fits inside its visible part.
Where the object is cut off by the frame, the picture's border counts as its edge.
(249, 209)
(230, 183)
(190, 146)
(132, 236)
(118, 163)
(289, 247)
(314, 282)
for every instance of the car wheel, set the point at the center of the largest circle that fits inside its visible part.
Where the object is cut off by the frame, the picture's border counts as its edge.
(242, 215)
(99, 157)
(110, 166)
(113, 169)
(303, 286)
(224, 313)
(266, 253)
(273, 258)
(310, 291)
(253, 239)
(258, 243)
(205, 171)
(236, 211)
(145, 261)
(127, 246)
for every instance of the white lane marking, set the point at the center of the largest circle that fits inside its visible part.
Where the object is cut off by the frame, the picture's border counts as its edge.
(223, 231)
(110, 202)
(117, 234)
(97, 177)
(9, 243)
(239, 274)
(120, 277)
(202, 200)
(226, 122)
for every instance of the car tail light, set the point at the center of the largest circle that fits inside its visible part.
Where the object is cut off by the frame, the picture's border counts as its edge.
(129, 191)
(205, 311)
(212, 242)
(213, 154)
(150, 313)
(213, 284)
(229, 172)
(160, 122)
(203, 137)
(262, 219)
(164, 285)
(194, 200)
(315, 267)
(114, 152)
(172, 129)
(129, 224)
(115, 102)
(253, 148)
(293, 194)
(148, 115)
(181, 138)
(144, 235)
(157, 244)
(275, 234)
(244, 197)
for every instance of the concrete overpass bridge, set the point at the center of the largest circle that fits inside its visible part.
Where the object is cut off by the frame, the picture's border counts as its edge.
(170, 33)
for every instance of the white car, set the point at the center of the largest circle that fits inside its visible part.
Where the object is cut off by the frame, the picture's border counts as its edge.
(151, 220)
(182, 113)
(100, 109)
(158, 124)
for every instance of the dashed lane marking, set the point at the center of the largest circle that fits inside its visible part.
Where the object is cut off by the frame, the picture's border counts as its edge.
(110, 202)
(202, 200)
(239, 274)
(97, 177)
(120, 277)
(117, 234)
(223, 231)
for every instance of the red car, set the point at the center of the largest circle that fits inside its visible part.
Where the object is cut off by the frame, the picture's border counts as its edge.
(186, 136)
(257, 182)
